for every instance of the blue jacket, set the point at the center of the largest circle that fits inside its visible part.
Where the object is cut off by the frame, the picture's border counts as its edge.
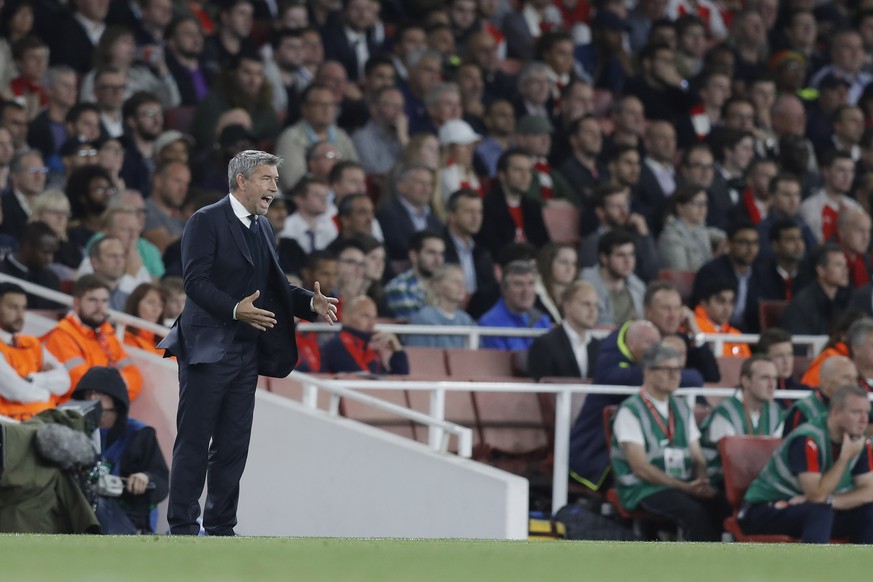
(501, 316)
(589, 457)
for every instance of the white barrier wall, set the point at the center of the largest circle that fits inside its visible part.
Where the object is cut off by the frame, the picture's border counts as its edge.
(312, 475)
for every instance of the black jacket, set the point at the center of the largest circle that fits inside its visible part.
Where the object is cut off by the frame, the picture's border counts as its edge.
(498, 228)
(487, 289)
(811, 312)
(551, 355)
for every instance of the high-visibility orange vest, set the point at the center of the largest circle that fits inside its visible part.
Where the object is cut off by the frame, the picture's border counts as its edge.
(706, 325)
(25, 357)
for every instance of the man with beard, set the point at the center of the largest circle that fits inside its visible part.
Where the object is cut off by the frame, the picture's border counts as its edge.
(240, 86)
(89, 189)
(143, 123)
(407, 292)
(85, 338)
(184, 49)
(164, 221)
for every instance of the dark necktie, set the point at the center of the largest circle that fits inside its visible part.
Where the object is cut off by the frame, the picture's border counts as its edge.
(253, 225)
(311, 235)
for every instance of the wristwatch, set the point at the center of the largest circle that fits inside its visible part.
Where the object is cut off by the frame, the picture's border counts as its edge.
(829, 500)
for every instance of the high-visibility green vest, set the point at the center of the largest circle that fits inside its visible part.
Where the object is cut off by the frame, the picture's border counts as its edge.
(809, 407)
(776, 482)
(734, 412)
(631, 490)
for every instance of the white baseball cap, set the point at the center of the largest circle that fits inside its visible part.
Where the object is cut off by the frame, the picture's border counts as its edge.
(457, 131)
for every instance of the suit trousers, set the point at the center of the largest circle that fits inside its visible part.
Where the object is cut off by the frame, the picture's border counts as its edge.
(700, 519)
(813, 523)
(214, 423)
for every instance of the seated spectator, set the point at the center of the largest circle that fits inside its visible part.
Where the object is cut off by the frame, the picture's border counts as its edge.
(241, 85)
(535, 88)
(619, 291)
(853, 236)
(815, 308)
(108, 261)
(780, 272)
(355, 217)
(52, 207)
(27, 175)
(319, 111)
(613, 210)
(31, 262)
(658, 171)
(48, 130)
(837, 345)
(512, 215)
(500, 125)
(423, 148)
(524, 25)
(232, 39)
(147, 303)
(463, 222)
(533, 134)
(458, 141)
(89, 189)
(129, 449)
(775, 343)
(122, 224)
(30, 376)
(173, 291)
(311, 225)
(515, 308)
(582, 166)
(321, 158)
(754, 203)
(291, 256)
(618, 364)
(375, 273)
(85, 338)
(836, 371)
(350, 280)
(356, 348)
(557, 268)
(686, 243)
(406, 293)
(410, 211)
(568, 350)
(446, 293)
(143, 123)
(31, 55)
(820, 211)
(736, 265)
(826, 490)
(713, 312)
(381, 141)
(751, 411)
(859, 338)
(671, 481)
(184, 44)
(659, 84)
(164, 222)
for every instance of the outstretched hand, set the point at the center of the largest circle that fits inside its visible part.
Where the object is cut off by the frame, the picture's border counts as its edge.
(323, 305)
(260, 319)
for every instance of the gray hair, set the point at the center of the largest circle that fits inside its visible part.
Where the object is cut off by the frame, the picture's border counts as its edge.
(245, 163)
(416, 57)
(531, 69)
(52, 199)
(434, 95)
(406, 171)
(859, 331)
(54, 73)
(657, 353)
(439, 274)
(17, 163)
(841, 394)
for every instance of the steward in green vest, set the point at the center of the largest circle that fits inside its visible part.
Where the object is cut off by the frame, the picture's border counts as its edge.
(818, 485)
(751, 411)
(655, 452)
(836, 371)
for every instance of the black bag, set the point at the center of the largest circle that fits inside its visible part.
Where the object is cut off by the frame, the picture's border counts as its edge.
(583, 524)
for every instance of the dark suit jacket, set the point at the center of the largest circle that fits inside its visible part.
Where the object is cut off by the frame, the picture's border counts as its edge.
(862, 300)
(337, 47)
(183, 79)
(72, 47)
(40, 137)
(397, 228)
(811, 312)
(652, 197)
(721, 207)
(498, 228)
(551, 355)
(218, 271)
(487, 289)
(721, 268)
(14, 216)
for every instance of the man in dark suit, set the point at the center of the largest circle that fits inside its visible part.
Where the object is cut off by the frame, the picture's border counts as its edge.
(568, 350)
(409, 212)
(223, 341)
(352, 37)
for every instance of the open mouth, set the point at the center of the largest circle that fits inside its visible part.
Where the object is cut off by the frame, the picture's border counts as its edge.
(266, 200)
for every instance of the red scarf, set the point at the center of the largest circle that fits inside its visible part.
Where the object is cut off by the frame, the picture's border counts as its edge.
(858, 274)
(700, 122)
(360, 351)
(308, 351)
(544, 173)
(518, 219)
(828, 221)
(751, 207)
(22, 87)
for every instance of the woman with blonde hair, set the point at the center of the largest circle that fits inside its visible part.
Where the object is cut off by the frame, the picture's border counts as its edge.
(445, 295)
(53, 208)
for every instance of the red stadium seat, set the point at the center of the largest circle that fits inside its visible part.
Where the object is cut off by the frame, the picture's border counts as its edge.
(431, 361)
(729, 368)
(180, 118)
(770, 313)
(479, 364)
(683, 280)
(743, 457)
(562, 223)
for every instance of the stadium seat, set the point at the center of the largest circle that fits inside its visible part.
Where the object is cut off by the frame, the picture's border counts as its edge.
(479, 364)
(375, 417)
(459, 406)
(431, 361)
(562, 223)
(770, 313)
(743, 457)
(180, 118)
(514, 423)
(683, 280)
(729, 368)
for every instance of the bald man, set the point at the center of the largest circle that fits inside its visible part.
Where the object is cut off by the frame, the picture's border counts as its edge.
(835, 372)
(618, 364)
(357, 348)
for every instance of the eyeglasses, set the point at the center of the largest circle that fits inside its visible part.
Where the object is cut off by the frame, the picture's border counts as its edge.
(331, 156)
(86, 153)
(101, 190)
(38, 170)
(668, 369)
(154, 112)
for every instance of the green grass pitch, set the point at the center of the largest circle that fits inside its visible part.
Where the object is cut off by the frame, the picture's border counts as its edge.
(164, 559)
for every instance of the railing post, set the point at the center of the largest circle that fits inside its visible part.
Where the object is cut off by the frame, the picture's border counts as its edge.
(310, 395)
(474, 340)
(438, 411)
(561, 467)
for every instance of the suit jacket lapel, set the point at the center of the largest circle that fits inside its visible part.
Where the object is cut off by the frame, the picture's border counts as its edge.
(233, 224)
(567, 348)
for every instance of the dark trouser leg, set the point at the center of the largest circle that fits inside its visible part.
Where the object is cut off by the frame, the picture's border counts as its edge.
(230, 445)
(689, 513)
(811, 522)
(856, 524)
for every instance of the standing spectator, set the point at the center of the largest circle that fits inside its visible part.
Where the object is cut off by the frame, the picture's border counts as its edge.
(380, 142)
(512, 215)
(686, 243)
(240, 85)
(671, 482)
(568, 350)
(85, 338)
(816, 308)
(515, 308)
(446, 293)
(38, 244)
(557, 268)
(406, 293)
(619, 292)
(184, 42)
(463, 222)
(713, 313)
(357, 348)
(28, 175)
(31, 375)
(410, 212)
(319, 111)
(147, 303)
